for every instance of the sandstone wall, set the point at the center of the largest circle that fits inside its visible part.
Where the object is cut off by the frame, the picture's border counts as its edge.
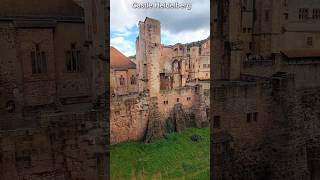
(234, 102)
(59, 148)
(187, 96)
(10, 77)
(38, 88)
(282, 143)
(307, 75)
(309, 100)
(128, 118)
(71, 84)
(129, 114)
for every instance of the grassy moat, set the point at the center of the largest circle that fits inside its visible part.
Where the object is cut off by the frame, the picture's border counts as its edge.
(173, 157)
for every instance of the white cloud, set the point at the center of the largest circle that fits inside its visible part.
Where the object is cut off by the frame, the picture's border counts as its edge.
(122, 16)
(125, 46)
(185, 36)
(176, 25)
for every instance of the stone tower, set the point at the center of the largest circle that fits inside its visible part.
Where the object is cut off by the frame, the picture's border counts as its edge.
(148, 56)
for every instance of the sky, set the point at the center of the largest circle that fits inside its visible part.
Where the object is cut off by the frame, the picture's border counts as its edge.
(177, 25)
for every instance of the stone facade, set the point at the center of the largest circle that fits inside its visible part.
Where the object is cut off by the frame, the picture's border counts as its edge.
(167, 77)
(262, 91)
(52, 91)
(123, 75)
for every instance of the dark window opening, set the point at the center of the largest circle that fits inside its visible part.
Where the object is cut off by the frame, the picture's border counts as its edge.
(285, 3)
(11, 106)
(122, 81)
(255, 116)
(177, 99)
(133, 80)
(39, 60)
(73, 59)
(23, 159)
(303, 13)
(309, 41)
(244, 30)
(248, 117)
(216, 122)
(316, 14)
(267, 15)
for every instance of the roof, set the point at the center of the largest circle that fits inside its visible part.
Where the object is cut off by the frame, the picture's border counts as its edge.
(40, 9)
(119, 61)
(298, 53)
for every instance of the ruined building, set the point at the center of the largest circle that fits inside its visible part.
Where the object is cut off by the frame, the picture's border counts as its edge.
(265, 89)
(123, 74)
(52, 90)
(164, 82)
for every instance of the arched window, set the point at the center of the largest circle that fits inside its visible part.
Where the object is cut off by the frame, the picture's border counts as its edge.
(175, 66)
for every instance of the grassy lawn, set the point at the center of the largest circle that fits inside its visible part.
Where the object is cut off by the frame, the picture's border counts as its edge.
(173, 157)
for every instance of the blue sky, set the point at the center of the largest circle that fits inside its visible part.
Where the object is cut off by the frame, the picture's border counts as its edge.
(177, 25)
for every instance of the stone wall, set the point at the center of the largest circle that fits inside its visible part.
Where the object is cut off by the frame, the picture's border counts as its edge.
(71, 84)
(59, 148)
(307, 73)
(283, 141)
(187, 96)
(39, 89)
(234, 102)
(310, 104)
(129, 114)
(128, 118)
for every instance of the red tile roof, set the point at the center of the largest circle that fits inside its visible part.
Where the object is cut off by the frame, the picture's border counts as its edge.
(40, 9)
(303, 52)
(119, 61)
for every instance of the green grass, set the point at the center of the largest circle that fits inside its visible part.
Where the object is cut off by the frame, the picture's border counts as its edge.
(173, 157)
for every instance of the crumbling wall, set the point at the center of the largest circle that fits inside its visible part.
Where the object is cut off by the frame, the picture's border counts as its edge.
(286, 141)
(155, 129)
(167, 99)
(128, 118)
(310, 104)
(131, 116)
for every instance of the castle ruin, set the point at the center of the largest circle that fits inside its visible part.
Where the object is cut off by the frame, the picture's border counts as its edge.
(265, 89)
(163, 82)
